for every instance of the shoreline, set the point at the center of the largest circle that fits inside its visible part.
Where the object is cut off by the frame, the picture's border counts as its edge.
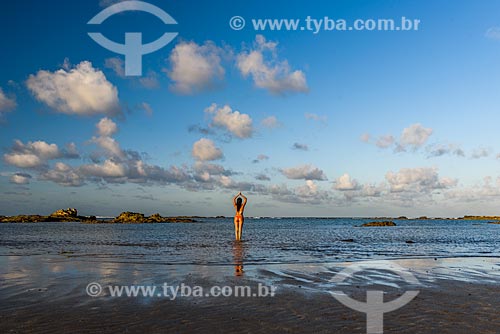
(456, 295)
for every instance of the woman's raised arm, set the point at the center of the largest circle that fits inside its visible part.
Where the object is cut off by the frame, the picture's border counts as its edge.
(244, 199)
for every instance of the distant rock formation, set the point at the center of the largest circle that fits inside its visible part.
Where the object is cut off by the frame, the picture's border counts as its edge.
(139, 218)
(63, 215)
(497, 218)
(24, 219)
(129, 217)
(69, 212)
(380, 223)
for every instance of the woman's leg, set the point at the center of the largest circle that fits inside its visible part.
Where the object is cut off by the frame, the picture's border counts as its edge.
(236, 224)
(240, 228)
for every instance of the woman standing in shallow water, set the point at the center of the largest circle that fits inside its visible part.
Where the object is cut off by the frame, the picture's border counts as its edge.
(239, 206)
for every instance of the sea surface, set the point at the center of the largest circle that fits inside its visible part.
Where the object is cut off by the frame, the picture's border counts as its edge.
(265, 241)
(46, 270)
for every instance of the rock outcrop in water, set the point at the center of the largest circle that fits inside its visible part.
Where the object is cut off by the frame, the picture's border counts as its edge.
(66, 215)
(69, 212)
(24, 219)
(494, 218)
(71, 215)
(381, 223)
(139, 218)
(63, 215)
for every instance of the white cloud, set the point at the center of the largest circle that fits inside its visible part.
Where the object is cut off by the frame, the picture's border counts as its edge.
(367, 191)
(439, 150)
(117, 65)
(415, 136)
(270, 122)
(486, 191)
(262, 177)
(110, 146)
(108, 169)
(22, 160)
(106, 127)
(150, 80)
(365, 137)
(82, 90)
(71, 152)
(64, 175)
(345, 182)
(272, 74)
(205, 150)
(305, 172)
(236, 123)
(309, 189)
(207, 172)
(479, 153)
(493, 33)
(6, 103)
(35, 154)
(194, 67)
(384, 141)
(132, 169)
(420, 180)
(309, 193)
(315, 117)
(20, 178)
(260, 157)
(147, 108)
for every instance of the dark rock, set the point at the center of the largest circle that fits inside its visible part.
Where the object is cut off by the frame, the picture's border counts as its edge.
(68, 215)
(139, 218)
(69, 212)
(156, 218)
(24, 219)
(380, 223)
(129, 217)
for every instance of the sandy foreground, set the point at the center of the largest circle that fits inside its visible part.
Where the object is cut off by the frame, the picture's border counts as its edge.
(42, 294)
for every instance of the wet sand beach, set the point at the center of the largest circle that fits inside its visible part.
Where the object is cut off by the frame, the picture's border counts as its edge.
(47, 294)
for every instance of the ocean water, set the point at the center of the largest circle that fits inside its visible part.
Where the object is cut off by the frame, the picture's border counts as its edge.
(265, 241)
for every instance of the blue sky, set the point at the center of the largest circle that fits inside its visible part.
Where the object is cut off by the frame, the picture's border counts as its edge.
(338, 123)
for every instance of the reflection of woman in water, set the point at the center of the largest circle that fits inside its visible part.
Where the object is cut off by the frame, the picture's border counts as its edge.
(238, 255)
(239, 206)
